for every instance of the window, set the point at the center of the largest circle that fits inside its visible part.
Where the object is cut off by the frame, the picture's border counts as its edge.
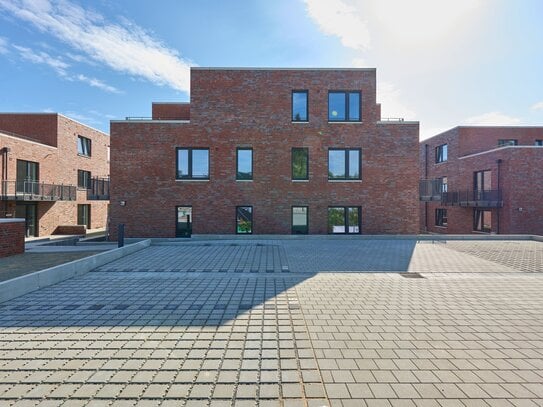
(83, 215)
(299, 220)
(84, 146)
(343, 106)
(441, 217)
(192, 163)
(482, 180)
(443, 187)
(300, 106)
(244, 219)
(300, 163)
(27, 177)
(539, 142)
(244, 164)
(343, 164)
(344, 220)
(482, 220)
(83, 179)
(507, 142)
(441, 153)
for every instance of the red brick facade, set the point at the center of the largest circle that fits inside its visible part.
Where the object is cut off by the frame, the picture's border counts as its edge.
(12, 237)
(251, 108)
(472, 149)
(50, 140)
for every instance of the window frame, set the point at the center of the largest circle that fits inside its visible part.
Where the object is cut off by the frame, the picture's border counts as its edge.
(506, 142)
(539, 142)
(306, 231)
(441, 217)
(346, 150)
(481, 211)
(85, 142)
(345, 219)
(86, 185)
(237, 163)
(86, 214)
(306, 91)
(443, 186)
(189, 164)
(252, 220)
(306, 178)
(347, 106)
(439, 153)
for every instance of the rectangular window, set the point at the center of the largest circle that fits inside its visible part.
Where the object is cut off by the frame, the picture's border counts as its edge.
(344, 220)
(482, 180)
(441, 217)
(300, 104)
(192, 163)
(244, 164)
(83, 215)
(443, 186)
(299, 220)
(482, 220)
(27, 177)
(300, 163)
(343, 106)
(441, 153)
(83, 179)
(244, 219)
(84, 146)
(507, 142)
(539, 142)
(343, 164)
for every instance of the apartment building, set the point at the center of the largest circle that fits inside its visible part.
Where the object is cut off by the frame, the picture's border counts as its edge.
(54, 173)
(479, 179)
(267, 151)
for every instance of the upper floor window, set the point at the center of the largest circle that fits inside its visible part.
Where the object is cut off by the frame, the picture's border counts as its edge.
(539, 142)
(192, 163)
(482, 180)
(244, 164)
(83, 146)
(507, 142)
(343, 106)
(300, 164)
(443, 186)
(441, 153)
(83, 179)
(343, 164)
(300, 106)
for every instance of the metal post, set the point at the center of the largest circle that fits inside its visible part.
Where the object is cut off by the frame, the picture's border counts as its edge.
(120, 234)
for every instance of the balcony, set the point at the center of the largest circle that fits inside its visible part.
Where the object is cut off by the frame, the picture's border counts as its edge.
(430, 190)
(36, 191)
(98, 189)
(469, 198)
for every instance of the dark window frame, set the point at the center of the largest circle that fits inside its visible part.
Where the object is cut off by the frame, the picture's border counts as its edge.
(539, 142)
(481, 212)
(346, 220)
(346, 150)
(86, 184)
(237, 163)
(189, 156)
(87, 217)
(28, 164)
(292, 231)
(86, 144)
(347, 106)
(483, 187)
(440, 157)
(306, 177)
(505, 142)
(306, 105)
(441, 217)
(252, 220)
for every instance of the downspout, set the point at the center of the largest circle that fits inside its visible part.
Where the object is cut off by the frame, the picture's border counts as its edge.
(5, 151)
(426, 178)
(499, 161)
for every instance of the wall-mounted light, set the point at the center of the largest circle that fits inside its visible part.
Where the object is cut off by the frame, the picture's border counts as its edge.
(122, 203)
(520, 209)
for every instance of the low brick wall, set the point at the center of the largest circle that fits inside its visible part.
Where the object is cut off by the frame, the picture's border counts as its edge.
(71, 230)
(12, 236)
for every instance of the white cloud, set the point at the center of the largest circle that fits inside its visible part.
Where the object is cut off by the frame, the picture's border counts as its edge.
(41, 57)
(492, 119)
(359, 63)
(335, 17)
(97, 83)
(123, 47)
(538, 106)
(3, 45)
(391, 102)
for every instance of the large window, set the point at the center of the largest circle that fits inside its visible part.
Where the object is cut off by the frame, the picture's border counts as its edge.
(343, 106)
(482, 220)
(507, 142)
(244, 164)
(343, 164)
(482, 180)
(84, 146)
(300, 106)
(83, 215)
(244, 219)
(443, 184)
(83, 179)
(441, 217)
(192, 163)
(441, 153)
(300, 164)
(299, 220)
(28, 175)
(344, 220)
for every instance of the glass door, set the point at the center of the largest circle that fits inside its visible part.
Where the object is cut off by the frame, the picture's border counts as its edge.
(183, 221)
(29, 213)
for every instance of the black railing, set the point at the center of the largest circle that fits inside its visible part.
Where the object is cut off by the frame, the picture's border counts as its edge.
(98, 189)
(36, 191)
(478, 198)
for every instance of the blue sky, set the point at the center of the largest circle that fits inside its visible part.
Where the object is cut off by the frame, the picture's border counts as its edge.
(444, 63)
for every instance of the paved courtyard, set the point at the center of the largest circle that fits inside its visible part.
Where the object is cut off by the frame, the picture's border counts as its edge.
(285, 323)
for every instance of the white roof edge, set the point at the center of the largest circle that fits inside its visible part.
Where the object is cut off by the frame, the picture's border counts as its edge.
(497, 149)
(151, 121)
(21, 138)
(234, 68)
(170, 103)
(397, 122)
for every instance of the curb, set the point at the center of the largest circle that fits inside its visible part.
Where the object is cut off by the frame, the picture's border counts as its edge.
(30, 282)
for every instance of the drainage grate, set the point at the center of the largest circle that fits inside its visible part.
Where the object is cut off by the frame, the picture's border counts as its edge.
(411, 275)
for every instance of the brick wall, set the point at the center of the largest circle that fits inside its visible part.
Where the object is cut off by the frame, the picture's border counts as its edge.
(171, 111)
(12, 237)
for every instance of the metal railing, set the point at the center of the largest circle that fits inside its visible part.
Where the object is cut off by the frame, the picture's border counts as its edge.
(430, 189)
(474, 198)
(36, 191)
(98, 189)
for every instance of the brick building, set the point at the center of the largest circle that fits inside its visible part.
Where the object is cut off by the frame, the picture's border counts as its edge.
(483, 180)
(261, 151)
(54, 173)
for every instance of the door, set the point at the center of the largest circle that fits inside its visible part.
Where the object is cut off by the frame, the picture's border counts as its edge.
(28, 175)
(29, 213)
(183, 221)
(83, 215)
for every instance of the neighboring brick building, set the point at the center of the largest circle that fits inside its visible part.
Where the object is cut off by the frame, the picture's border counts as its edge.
(52, 169)
(262, 151)
(483, 180)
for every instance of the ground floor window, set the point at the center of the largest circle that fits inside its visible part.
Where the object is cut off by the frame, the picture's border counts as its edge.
(299, 220)
(344, 219)
(244, 219)
(482, 220)
(441, 217)
(84, 215)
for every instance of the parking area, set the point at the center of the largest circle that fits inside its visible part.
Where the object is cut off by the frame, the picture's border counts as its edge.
(285, 323)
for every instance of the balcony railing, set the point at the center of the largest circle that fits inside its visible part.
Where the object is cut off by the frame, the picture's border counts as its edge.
(484, 198)
(36, 191)
(98, 189)
(430, 189)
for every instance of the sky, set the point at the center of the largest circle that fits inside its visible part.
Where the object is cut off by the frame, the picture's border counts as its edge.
(443, 63)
